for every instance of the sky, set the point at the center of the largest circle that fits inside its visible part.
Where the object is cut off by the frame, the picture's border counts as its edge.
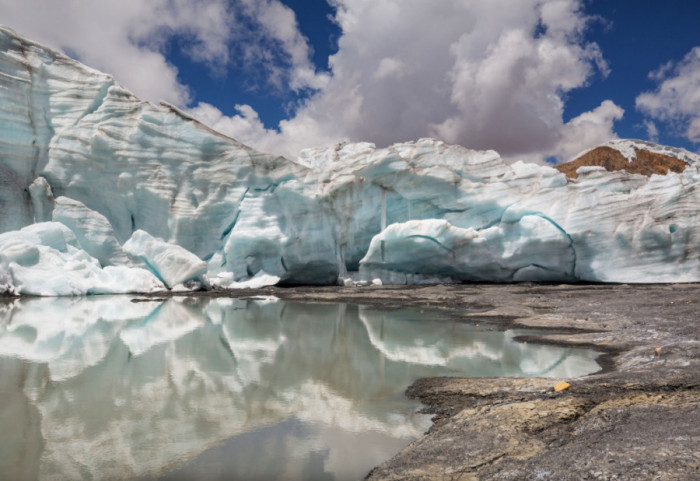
(537, 80)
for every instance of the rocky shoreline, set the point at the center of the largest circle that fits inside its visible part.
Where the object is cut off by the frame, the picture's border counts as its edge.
(638, 418)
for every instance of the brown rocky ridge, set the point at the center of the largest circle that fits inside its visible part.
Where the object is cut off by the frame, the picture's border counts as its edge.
(645, 162)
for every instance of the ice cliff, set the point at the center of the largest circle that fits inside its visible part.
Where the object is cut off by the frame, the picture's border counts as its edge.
(101, 192)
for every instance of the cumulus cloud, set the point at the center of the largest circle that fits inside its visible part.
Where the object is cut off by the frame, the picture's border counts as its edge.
(126, 38)
(277, 23)
(129, 38)
(676, 101)
(485, 74)
(652, 130)
(587, 130)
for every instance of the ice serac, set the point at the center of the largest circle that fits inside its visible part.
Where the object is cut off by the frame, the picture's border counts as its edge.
(77, 148)
(531, 249)
(171, 263)
(46, 259)
(93, 230)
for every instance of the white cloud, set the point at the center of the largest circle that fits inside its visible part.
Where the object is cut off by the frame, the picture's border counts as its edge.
(485, 74)
(652, 130)
(278, 23)
(127, 38)
(676, 100)
(389, 67)
(587, 130)
(512, 96)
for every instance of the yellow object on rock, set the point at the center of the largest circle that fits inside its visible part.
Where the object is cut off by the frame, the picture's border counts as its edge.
(562, 386)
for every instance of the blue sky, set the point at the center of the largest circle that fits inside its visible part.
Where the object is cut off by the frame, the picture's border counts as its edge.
(315, 22)
(533, 79)
(637, 37)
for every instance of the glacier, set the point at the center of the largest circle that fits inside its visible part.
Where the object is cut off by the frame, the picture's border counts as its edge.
(101, 192)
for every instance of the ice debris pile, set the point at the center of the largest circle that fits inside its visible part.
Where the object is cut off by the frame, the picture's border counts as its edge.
(103, 193)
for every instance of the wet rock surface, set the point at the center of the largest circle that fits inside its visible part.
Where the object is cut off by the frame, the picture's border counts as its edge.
(639, 418)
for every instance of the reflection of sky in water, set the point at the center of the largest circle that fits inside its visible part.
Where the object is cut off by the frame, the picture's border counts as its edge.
(104, 388)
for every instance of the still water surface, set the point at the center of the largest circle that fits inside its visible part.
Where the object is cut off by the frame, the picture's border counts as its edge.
(218, 388)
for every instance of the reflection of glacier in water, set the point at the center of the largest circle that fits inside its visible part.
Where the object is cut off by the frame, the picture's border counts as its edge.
(103, 388)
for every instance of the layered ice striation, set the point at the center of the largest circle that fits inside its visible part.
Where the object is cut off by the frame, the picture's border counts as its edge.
(146, 188)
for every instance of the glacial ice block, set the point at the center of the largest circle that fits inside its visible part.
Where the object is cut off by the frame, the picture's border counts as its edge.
(261, 279)
(42, 199)
(530, 249)
(45, 259)
(172, 264)
(286, 234)
(93, 230)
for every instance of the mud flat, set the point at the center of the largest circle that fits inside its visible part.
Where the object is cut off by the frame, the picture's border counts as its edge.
(638, 418)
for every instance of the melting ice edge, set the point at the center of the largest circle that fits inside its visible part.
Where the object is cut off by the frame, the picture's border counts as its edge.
(103, 193)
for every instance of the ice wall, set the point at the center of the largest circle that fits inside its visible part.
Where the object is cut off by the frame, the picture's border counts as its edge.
(79, 149)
